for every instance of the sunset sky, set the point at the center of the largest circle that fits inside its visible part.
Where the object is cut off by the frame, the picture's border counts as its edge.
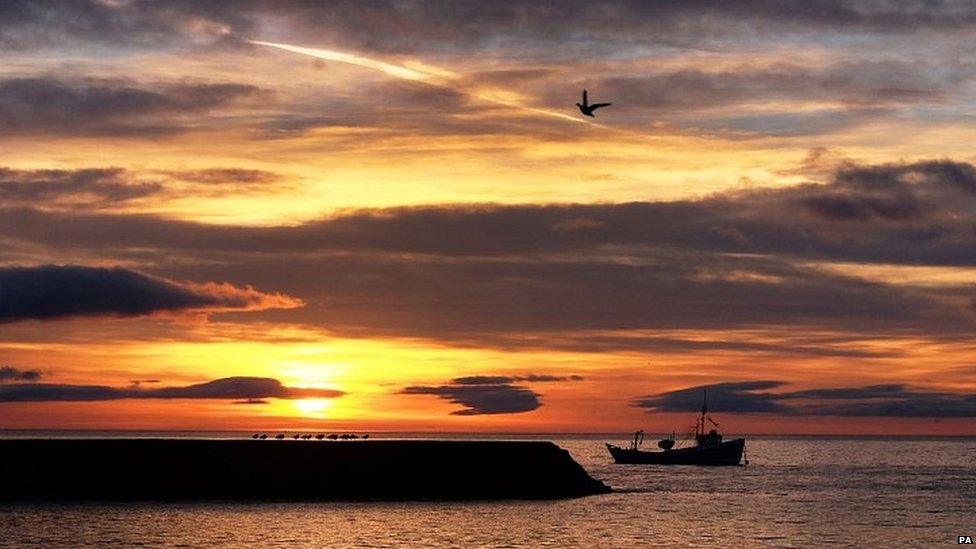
(391, 216)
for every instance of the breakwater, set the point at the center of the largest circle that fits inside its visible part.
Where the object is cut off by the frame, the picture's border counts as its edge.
(172, 469)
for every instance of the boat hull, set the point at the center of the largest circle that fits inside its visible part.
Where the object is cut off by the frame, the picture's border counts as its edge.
(725, 453)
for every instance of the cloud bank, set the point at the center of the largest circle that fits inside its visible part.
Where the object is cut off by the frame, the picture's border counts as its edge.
(465, 25)
(915, 213)
(590, 277)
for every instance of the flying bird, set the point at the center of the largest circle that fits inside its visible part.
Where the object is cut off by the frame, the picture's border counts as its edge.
(587, 109)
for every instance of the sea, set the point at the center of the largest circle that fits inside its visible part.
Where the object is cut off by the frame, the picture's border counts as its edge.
(794, 492)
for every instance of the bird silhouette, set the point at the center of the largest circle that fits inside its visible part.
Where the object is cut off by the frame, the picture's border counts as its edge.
(587, 109)
(319, 436)
(279, 436)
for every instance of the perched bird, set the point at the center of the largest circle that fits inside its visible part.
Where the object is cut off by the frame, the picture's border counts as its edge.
(296, 436)
(279, 436)
(319, 436)
(333, 436)
(263, 436)
(255, 436)
(587, 109)
(365, 436)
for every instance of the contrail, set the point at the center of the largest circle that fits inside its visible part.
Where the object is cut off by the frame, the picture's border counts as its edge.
(431, 76)
(398, 71)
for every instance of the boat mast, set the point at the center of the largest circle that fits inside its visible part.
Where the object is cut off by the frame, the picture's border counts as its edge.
(700, 427)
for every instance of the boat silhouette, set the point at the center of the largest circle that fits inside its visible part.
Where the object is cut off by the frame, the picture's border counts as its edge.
(708, 448)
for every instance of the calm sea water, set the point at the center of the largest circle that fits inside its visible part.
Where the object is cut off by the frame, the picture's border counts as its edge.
(796, 492)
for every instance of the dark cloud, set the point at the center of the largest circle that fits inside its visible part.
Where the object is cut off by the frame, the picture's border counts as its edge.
(490, 394)
(229, 388)
(9, 373)
(103, 188)
(51, 105)
(83, 186)
(482, 399)
(926, 176)
(54, 292)
(741, 396)
(893, 192)
(496, 380)
(891, 400)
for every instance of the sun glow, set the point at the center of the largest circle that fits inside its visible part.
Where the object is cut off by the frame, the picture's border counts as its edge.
(309, 373)
(312, 406)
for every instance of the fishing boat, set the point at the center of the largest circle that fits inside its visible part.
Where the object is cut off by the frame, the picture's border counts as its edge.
(708, 448)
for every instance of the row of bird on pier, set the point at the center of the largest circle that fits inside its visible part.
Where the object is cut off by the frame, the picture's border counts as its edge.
(320, 436)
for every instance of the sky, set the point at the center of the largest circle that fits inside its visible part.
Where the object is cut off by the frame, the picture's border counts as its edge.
(390, 216)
